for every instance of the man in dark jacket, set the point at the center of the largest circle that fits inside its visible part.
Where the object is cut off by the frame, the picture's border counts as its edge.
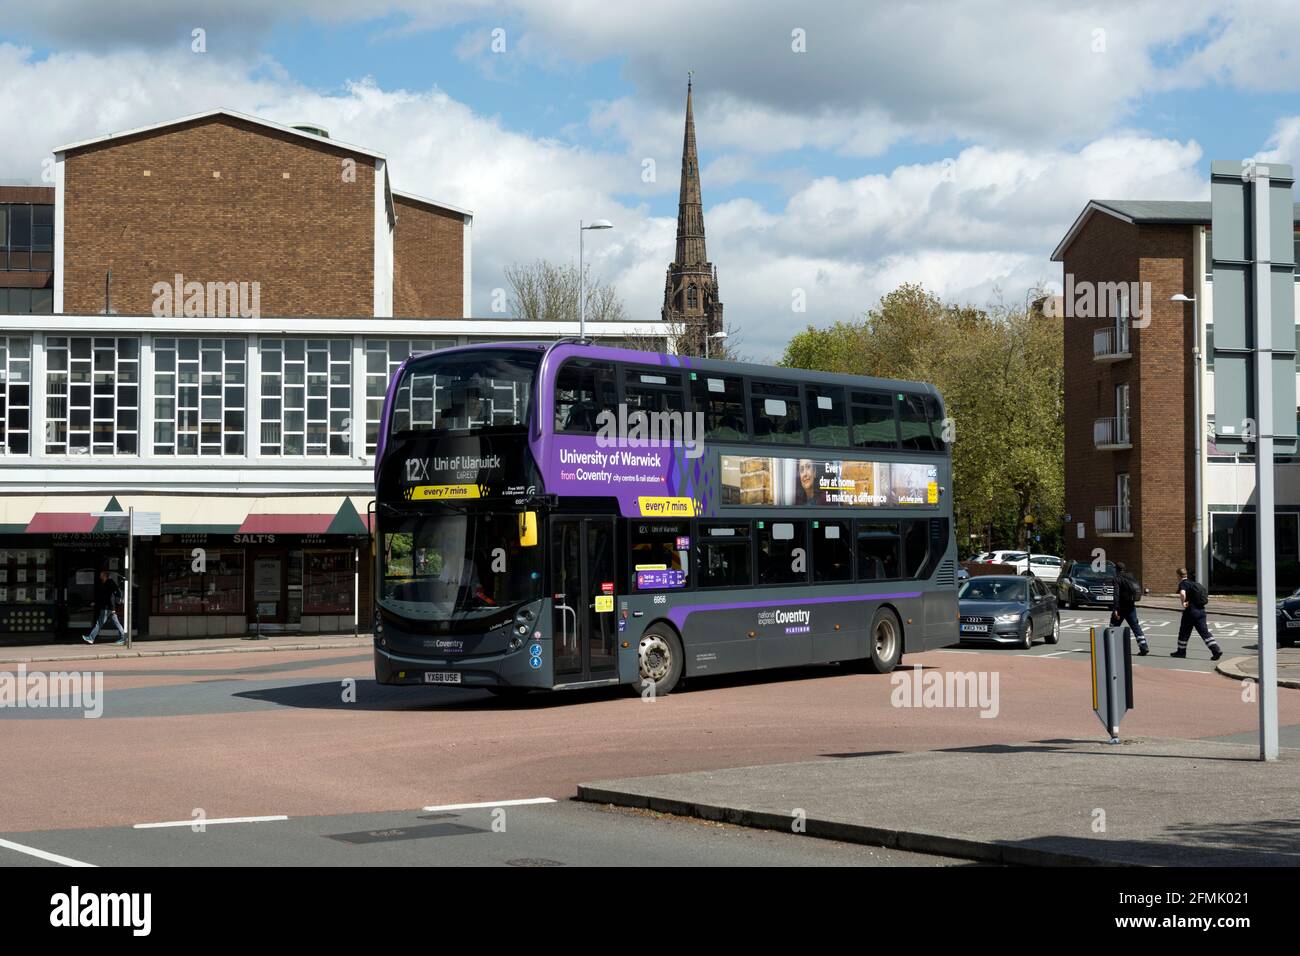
(1193, 617)
(1124, 610)
(107, 597)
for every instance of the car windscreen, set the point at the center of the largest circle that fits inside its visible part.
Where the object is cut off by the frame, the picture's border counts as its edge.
(1080, 568)
(1000, 590)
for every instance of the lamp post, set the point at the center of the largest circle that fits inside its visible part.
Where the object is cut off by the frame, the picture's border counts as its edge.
(1198, 527)
(719, 335)
(582, 296)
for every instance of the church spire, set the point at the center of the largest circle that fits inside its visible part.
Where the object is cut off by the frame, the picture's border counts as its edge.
(691, 300)
(690, 209)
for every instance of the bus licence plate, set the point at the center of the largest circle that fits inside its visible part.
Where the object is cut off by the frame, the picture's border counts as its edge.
(441, 677)
(976, 628)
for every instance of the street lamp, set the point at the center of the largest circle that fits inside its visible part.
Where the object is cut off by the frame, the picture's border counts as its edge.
(719, 335)
(582, 298)
(1198, 528)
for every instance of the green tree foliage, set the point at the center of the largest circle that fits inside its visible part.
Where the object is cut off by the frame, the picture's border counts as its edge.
(999, 371)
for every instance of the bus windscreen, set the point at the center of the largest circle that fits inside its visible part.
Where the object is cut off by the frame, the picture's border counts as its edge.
(459, 391)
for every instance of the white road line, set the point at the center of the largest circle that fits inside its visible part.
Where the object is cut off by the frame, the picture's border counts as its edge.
(483, 806)
(200, 821)
(1059, 653)
(43, 855)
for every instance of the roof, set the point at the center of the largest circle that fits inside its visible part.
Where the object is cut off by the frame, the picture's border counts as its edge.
(221, 111)
(412, 197)
(1142, 212)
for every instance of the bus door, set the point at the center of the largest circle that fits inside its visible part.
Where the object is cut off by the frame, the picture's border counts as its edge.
(582, 588)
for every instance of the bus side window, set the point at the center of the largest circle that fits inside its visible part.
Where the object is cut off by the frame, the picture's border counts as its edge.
(725, 558)
(874, 420)
(582, 390)
(777, 543)
(777, 411)
(916, 545)
(721, 399)
(879, 551)
(915, 427)
(827, 418)
(832, 551)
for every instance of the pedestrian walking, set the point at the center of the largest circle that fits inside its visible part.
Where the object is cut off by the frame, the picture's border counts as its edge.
(107, 597)
(1194, 598)
(1124, 608)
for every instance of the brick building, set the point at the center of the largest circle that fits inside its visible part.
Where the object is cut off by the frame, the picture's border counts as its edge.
(1133, 371)
(264, 282)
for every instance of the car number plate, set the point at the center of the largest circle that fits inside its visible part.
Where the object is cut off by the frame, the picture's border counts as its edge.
(976, 628)
(441, 677)
(1293, 623)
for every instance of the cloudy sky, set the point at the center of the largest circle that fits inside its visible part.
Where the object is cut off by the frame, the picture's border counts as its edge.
(945, 143)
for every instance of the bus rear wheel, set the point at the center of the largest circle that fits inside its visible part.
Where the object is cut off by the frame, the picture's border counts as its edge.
(884, 643)
(660, 660)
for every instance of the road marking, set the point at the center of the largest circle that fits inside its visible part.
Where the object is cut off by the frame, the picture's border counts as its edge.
(484, 806)
(203, 822)
(1059, 653)
(43, 855)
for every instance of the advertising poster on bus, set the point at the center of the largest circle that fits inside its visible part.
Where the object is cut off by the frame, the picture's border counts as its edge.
(750, 480)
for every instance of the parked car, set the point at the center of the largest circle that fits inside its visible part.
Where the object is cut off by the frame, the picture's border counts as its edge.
(1046, 567)
(962, 575)
(1004, 557)
(1007, 609)
(1080, 585)
(1288, 619)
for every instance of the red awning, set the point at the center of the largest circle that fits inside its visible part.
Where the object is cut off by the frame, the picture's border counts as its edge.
(286, 524)
(62, 522)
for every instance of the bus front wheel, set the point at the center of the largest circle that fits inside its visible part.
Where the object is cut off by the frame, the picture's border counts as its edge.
(660, 660)
(884, 643)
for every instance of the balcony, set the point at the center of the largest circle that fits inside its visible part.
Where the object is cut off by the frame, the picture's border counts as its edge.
(1111, 434)
(1111, 344)
(1113, 521)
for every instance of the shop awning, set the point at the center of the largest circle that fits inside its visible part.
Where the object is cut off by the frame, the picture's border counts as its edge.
(340, 515)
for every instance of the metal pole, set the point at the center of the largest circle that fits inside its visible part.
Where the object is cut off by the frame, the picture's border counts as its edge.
(1265, 555)
(356, 591)
(1198, 526)
(582, 301)
(130, 541)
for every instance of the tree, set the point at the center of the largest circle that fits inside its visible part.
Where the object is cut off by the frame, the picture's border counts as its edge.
(547, 292)
(999, 371)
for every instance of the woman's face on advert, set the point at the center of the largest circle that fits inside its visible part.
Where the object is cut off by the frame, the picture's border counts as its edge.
(806, 474)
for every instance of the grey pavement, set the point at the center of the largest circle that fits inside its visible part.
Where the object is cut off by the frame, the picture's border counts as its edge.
(555, 834)
(1144, 802)
(107, 650)
(1217, 605)
(1247, 667)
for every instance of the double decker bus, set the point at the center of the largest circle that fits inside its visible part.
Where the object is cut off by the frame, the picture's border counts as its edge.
(565, 515)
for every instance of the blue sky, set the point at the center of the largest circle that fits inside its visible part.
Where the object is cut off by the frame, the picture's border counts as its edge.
(945, 143)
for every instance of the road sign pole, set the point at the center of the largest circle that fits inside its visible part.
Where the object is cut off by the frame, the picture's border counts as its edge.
(1265, 554)
(130, 544)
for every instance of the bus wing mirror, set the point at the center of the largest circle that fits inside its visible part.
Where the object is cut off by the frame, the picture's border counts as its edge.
(528, 529)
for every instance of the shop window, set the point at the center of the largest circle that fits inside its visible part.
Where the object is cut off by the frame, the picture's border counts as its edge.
(178, 588)
(329, 582)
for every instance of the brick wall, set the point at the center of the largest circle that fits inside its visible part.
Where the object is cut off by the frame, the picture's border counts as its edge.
(219, 200)
(428, 261)
(1159, 376)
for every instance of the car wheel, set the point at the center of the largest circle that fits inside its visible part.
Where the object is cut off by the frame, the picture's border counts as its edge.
(1027, 641)
(1055, 636)
(659, 653)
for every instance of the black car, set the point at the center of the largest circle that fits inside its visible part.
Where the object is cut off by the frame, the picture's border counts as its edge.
(1080, 584)
(1007, 609)
(1288, 619)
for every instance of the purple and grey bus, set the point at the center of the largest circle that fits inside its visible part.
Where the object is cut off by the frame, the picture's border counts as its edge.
(564, 515)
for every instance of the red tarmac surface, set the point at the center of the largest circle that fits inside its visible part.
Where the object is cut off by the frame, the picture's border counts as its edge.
(308, 760)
